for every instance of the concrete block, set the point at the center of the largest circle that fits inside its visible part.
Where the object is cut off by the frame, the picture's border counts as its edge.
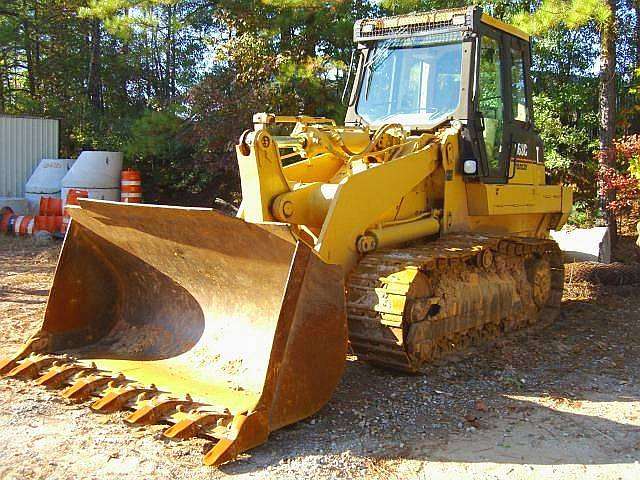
(584, 244)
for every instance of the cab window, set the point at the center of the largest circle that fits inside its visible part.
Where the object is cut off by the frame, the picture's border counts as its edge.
(519, 95)
(490, 104)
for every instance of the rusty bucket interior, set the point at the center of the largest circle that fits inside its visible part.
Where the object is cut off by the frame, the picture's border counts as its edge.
(235, 315)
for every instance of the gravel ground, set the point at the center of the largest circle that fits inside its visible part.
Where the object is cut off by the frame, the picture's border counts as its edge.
(559, 401)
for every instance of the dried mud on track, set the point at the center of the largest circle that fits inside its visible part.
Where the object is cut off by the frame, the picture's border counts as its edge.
(557, 401)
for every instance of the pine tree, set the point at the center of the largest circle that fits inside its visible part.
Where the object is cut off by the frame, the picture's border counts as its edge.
(574, 14)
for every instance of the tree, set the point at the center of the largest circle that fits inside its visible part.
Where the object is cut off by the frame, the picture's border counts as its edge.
(575, 14)
(187, 75)
(608, 105)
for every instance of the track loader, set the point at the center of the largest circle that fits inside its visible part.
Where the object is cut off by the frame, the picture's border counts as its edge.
(415, 231)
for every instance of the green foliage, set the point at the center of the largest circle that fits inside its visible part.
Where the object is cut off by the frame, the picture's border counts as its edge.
(156, 137)
(582, 215)
(563, 141)
(571, 13)
(398, 7)
(566, 124)
(174, 82)
(160, 146)
(285, 57)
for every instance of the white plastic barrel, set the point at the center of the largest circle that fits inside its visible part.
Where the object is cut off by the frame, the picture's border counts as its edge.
(96, 172)
(46, 181)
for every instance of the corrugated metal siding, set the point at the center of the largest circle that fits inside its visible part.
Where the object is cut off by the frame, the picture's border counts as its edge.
(24, 141)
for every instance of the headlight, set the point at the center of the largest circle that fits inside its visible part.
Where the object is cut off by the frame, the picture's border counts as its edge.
(459, 20)
(470, 167)
(367, 28)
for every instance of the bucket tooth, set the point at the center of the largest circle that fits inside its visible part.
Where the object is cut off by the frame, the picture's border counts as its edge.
(117, 398)
(31, 366)
(84, 387)
(152, 411)
(190, 424)
(35, 344)
(245, 432)
(57, 375)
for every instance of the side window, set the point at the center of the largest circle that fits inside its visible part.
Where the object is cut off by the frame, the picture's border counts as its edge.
(490, 103)
(519, 100)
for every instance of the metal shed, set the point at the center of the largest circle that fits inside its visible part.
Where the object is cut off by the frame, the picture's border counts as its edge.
(24, 141)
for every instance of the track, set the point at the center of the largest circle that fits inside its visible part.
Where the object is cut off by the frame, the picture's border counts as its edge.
(412, 306)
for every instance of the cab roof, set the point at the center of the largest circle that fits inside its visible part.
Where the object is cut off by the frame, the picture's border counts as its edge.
(435, 21)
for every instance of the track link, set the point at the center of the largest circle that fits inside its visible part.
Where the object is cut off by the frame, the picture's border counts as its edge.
(412, 306)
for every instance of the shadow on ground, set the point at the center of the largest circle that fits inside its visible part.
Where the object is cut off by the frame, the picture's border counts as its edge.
(559, 394)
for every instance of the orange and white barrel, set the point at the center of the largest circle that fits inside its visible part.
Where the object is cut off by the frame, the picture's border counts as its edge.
(48, 223)
(6, 213)
(23, 225)
(72, 199)
(11, 223)
(50, 206)
(44, 206)
(74, 194)
(130, 186)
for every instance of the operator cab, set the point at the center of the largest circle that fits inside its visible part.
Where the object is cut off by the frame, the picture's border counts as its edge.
(425, 70)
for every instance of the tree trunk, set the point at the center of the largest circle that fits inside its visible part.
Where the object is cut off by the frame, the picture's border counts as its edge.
(310, 39)
(128, 74)
(636, 8)
(36, 47)
(3, 75)
(172, 54)
(31, 69)
(168, 46)
(607, 127)
(286, 35)
(94, 79)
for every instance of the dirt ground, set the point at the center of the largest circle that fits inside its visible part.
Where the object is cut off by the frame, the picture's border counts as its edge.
(557, 401)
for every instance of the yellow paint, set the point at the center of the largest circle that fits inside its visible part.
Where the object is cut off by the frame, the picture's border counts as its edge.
(403, 232)
(526, 172)
(262, 177)
(394, 189)
(491, 199)
(455, 215)
(316, 169)
(175, 377)
(567, 204)
(306, 205)
(364, 198)
(505, 27)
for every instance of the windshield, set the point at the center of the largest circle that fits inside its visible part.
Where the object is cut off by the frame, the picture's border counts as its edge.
(412, 81)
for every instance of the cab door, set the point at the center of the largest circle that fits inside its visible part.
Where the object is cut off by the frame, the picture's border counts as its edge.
(490, 105)
(524, 144)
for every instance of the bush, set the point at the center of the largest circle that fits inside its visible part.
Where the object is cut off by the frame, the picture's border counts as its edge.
(620, 184)
(582, 215)
(160, 145)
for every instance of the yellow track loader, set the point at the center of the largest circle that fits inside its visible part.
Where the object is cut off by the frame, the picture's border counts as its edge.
(415, 231)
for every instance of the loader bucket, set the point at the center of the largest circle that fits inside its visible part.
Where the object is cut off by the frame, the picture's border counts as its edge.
(213, 325)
